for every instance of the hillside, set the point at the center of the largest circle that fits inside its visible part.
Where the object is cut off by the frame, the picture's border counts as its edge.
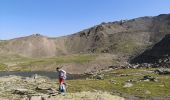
(117, 40)
(157, 54)
(125, 36)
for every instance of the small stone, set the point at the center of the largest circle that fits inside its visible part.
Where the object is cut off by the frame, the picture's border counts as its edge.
(24, 97)
(128, 85)
(147, 92)
(100, 77)
(113, 81)
(36, 98)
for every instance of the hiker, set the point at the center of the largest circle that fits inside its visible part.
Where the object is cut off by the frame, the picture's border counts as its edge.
(61, 77)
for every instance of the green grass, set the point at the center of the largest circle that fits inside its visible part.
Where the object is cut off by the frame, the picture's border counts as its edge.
(62, 59)
(3, 67)
(19, 63)
(139, 88)
(88, 85)
(126, 46)
(7, 58)
(81, 58)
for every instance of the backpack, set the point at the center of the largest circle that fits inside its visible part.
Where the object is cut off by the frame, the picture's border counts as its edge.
(62, 74)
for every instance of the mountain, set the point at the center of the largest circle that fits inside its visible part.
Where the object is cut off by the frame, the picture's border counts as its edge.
(125, 37)
(157, 54)
(35, 45)
(125, 40)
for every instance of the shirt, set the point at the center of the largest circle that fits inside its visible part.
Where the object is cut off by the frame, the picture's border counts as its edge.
(62, 74)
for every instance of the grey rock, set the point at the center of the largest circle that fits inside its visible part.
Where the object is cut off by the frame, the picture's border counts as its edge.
(147, 92)
(162, 71)
(149, 78)
(100, 77)
(128, 85)
(113, 81)
(21, 91)
(24, 97)
(49, 91)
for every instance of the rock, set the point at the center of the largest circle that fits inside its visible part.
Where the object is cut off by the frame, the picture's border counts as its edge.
(162, 71)
(21, 91)
(45, 97)
(130, 80)
(100, 77)
(122, 75)
(113, 81)
(128, 85)
(98, 95)
(149, 78)
(48, 91)
(135, 66)
(118, 67)
(147, 92)
(36, 98)
(24, 97)
(89, 73)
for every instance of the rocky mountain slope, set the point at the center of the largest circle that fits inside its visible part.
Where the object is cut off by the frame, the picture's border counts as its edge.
(157, 54)
(125, 38)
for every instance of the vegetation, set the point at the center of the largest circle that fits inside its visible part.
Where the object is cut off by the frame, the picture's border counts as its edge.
(126, 47)
(140, 88)
(3, 67)
(62, 59)
(79, 58)
(13, 59)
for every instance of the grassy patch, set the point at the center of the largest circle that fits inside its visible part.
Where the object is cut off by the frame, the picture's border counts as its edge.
(3, 67)
(62, 59)
(13, 58)
(140, 88)
(81, 58)
(88, 85)
(126, 46)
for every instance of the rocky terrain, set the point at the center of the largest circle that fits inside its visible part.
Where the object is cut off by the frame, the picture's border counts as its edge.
(117, 59)
(113, 84)
(158, 54)
(42, 88)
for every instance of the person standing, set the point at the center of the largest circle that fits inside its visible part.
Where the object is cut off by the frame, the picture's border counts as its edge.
(61, 78)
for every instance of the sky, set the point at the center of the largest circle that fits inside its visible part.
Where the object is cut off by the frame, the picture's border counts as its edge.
(56, 18)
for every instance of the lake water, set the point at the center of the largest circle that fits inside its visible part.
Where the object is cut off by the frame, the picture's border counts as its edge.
(51, 75)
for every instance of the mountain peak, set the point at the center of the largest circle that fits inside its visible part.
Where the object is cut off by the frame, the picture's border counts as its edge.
(37, 35)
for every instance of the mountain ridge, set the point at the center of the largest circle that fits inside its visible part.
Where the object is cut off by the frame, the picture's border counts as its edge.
(124, 39)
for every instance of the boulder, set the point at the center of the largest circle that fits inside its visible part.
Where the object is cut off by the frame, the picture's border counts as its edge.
(162, 71)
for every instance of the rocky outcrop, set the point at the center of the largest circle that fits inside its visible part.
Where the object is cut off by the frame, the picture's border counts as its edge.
(162, 71)
(42, 88)
(158, 55)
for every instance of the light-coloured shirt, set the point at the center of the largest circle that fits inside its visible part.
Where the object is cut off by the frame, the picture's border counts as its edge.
(62, 74)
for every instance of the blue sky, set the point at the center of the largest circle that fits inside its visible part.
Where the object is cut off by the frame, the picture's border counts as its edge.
(55, 18)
